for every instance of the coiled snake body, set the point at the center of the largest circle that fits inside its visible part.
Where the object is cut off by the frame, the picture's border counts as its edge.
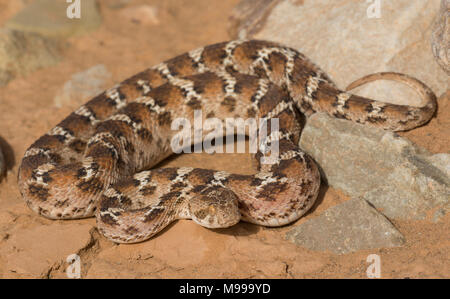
(95, 161)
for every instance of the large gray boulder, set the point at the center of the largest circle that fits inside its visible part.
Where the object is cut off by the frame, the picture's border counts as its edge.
(397, 177)
(349, 39)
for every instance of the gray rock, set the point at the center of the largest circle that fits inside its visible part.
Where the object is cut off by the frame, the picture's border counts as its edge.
(442, 162)
(351, 226)
(32, 39)
(82, 86)
(348, 42)
(397, 177)
(49, 18)
(440, 39)
(21, 53)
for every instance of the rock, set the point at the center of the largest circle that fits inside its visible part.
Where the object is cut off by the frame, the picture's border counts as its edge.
(2, 164)
(440, 38)
(347, 42)
(397, 177)
(351, 226)
(83, 86)
(143, 14)
(21, 53)
(441, 161)
(249, 16)
(32, 38)
(49, 18)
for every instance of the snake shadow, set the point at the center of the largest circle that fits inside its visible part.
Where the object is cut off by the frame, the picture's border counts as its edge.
(247, 229)
(241, 229)
(8, 154)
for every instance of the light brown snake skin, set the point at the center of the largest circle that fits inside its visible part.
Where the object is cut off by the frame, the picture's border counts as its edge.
(95, 161)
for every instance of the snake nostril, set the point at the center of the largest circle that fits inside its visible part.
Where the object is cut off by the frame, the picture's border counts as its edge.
(212, 210)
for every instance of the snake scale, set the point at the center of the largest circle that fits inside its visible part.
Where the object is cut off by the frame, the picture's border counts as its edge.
(96, 161)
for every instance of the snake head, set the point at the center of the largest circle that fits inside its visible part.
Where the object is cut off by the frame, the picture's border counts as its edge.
(215, 207)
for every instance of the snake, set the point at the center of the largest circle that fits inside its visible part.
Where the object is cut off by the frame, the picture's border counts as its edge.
(97, 162)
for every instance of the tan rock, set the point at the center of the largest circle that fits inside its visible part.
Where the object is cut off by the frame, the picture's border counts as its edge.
(440, 39)
(21, 53)
(347, 41)
(82, 86)
(249, 16)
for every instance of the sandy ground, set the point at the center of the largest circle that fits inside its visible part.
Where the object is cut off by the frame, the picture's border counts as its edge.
(31, 246)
